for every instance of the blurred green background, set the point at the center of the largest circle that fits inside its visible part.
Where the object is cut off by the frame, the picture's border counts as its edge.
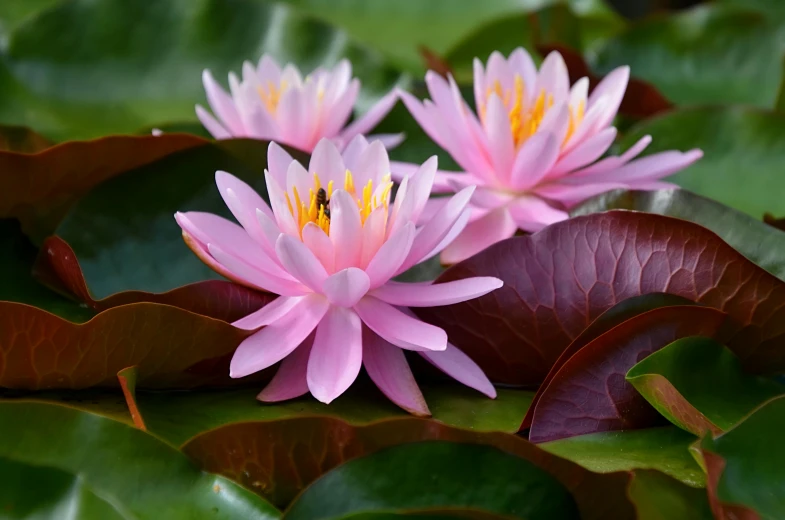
(710, 73)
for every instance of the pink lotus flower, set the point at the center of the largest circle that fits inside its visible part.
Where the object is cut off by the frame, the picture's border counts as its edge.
(279, 105)
(330, 246)
(533, 151)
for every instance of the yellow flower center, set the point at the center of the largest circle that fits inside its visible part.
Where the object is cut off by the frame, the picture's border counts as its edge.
(271, 94)
(316, 208)
(525, 120)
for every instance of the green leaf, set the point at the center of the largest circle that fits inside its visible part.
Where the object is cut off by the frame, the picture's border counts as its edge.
(747, 463)
(399, 28)
(659, 497)
(124, 233)
(736, 141)
(760, 242)
(178, 417)
(699, 385)
(709, 54)
(141, 476)
(30, 491)
(80, 69)
(17, 255)
(661, 449)
(435, 475)
(22, 140)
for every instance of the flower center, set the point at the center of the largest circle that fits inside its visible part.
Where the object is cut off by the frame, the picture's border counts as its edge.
(316, 208)
(271, 94)
(525, 118)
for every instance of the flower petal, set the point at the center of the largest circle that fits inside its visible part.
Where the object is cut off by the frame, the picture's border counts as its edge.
(340, 111)
(387, 366)
(367, 122)
(532, 213)
(390, 256)
(613, 162)
(553, 77)
(534, 160)
(649, 168)
(345, 230)
(292, 119)
(460, 367)
(243, 202)
(569, 195)
(353, 151)
(278, 340)
(278, 161)
(612, 87)
(399, 328)
(290, 379)
(222, 104)
(585, 153)
(373, 164)
(268, 314)
(327, 163)
(300, 262)
(254, 276)
(215, 128)
(337, 353)
(434, 295)
(374, 233)
(497, 127)
(484, 232)
(320, 245)
(346, 287)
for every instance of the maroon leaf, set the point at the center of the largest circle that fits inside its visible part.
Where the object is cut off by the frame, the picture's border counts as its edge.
(58, 267)
(590, 394)
(614, 316)
(557, 281)
(278, 459)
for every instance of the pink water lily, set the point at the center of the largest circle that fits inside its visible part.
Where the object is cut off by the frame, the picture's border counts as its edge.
(534, 147)
(280, 105)
(329, 246)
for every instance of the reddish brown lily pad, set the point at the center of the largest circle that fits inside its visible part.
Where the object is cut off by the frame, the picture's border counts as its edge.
(21, 139)
(39, 188)
(171, 348)
(58, 267)
(590, 394)
(557, 281)
(278, 459)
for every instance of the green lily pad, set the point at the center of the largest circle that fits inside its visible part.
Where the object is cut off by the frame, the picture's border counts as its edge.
(699, 385)
(660, 497)
(662, 449)
(760, 242)
(435, 475)
(743, 153)
(138, 474)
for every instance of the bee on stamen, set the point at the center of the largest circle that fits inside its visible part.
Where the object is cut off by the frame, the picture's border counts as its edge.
(322, 200)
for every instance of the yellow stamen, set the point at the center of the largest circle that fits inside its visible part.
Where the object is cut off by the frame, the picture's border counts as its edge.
(271, 95)
(576, 117)
(348, 182)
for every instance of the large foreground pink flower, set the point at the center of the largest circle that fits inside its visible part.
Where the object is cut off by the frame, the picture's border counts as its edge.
(279, 105)
(330, 246)
(533, 150)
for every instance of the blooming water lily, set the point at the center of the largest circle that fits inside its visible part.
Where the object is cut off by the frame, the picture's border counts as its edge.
(280, 105)
(329, 244)
(533, 147)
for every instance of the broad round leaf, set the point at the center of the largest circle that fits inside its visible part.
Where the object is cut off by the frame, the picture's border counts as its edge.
(659, 497)
(144, 477)
(557, 281)
(699, 385)
(435, 475)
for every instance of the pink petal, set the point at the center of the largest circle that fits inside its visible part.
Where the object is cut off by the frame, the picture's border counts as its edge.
(610, 163)
(243, 202)
(271, 232)
(254, 276)
(418, 112)
(340, 111)
(337, 82)
(351, 154)
(365, 124)
(222, 104)
(479, 82)
(388, 259)
(215, 128)
(402, 207)
(434, 295)
(493, 227)
(268, 70)
(498, 69)
(556, 122)
(389, 141)
(283, 217)
(521, 64)
(434, 231)
(553, 77)
(421, 183)
(460, 367)
(452, 234)
(345, 230)
(290, 379)
(337, 353)
(373, 164)
(442, 180)
(398, 328)
(320, 245)
(300, 262)
(534, 160)
(268, 314)
(585, 153)
(278, 340)
(298, 177)
(532, 213)
(588, 126)
(386, 365)
(649, 168)
(327, 163)
(502, 147)
(569, 195)
(611, 87)
(345, 288)
(278, 161)
(292, 119)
